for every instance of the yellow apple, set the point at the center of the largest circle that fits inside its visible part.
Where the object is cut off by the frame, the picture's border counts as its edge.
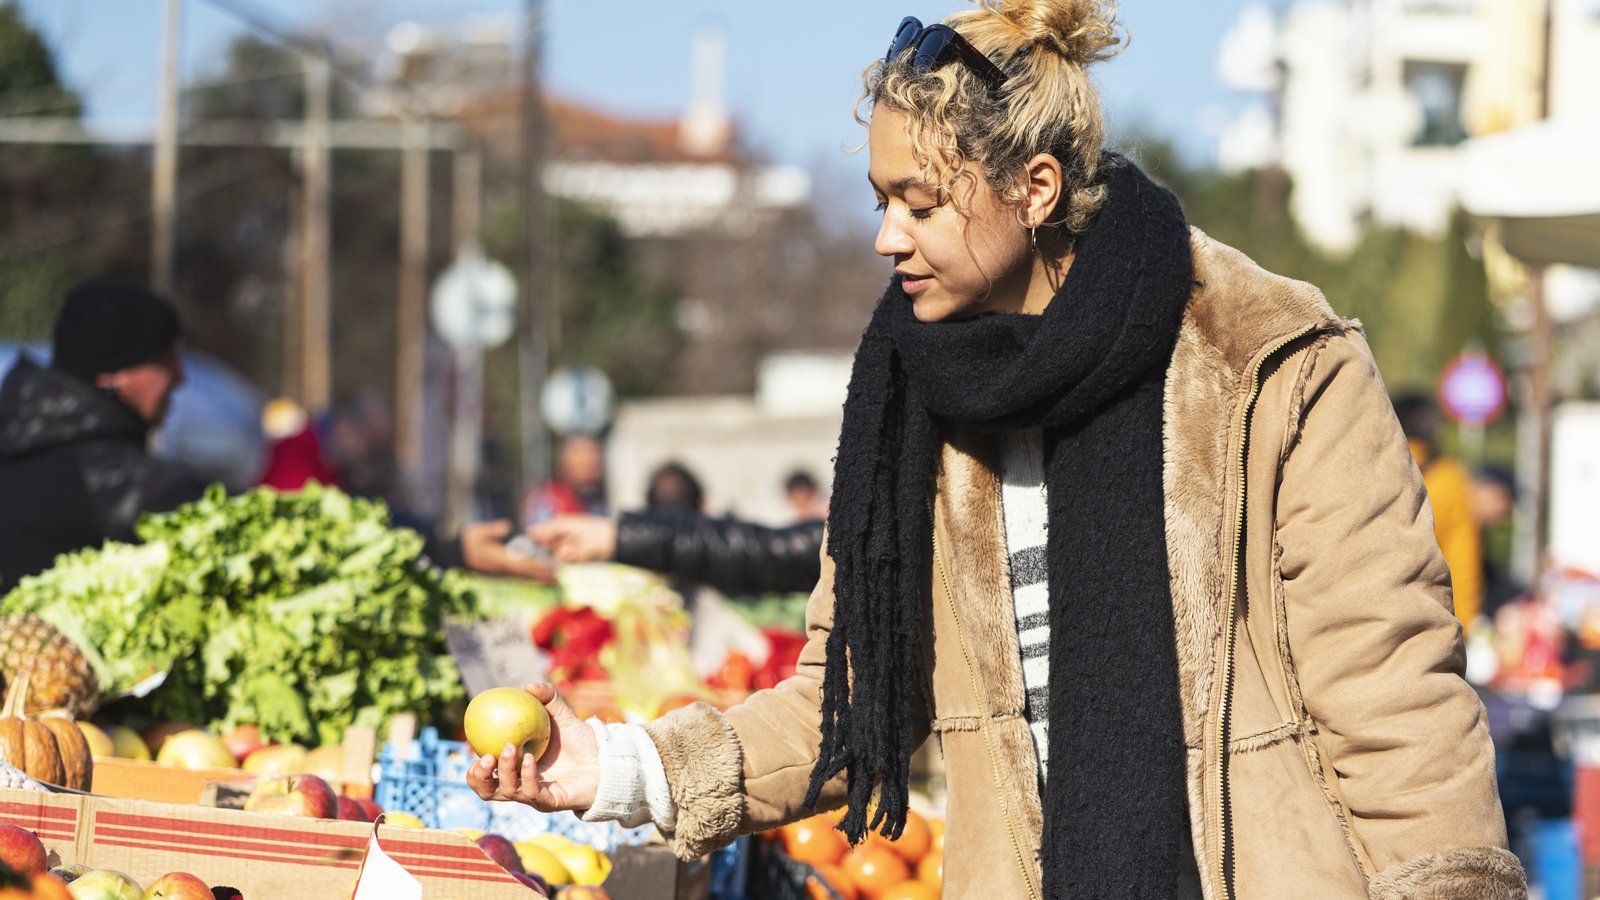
(501, 716)
(128, 743)
(100, 743)
(196, 750)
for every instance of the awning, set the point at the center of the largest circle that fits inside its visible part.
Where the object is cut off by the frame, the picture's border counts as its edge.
(1541, 185)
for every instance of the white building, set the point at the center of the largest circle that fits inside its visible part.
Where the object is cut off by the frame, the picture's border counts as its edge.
(1365, 103)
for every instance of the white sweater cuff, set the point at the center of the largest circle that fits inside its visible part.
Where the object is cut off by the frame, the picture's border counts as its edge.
(633, 783)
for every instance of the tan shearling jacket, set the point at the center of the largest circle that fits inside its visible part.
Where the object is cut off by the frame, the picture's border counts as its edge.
(1334, 749)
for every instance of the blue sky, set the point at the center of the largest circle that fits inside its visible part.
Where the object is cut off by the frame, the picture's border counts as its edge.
(793, 68)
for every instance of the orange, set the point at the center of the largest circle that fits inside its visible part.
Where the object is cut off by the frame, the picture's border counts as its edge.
(876, 840)
(813, 841)
(911, 890)
(874, 870)
(931, 869)
(914, 839)
(936, 828)
(835, 878)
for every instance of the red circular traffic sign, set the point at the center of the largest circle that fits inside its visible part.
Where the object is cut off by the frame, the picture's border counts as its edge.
(1472, 389)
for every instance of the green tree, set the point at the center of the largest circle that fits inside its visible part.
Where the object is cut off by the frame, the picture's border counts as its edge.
(60, 205)
(612, 315)
(1421, 299)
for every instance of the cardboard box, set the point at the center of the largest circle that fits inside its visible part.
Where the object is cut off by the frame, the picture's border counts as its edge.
(265, 857)
(274, 857)
(131, 779)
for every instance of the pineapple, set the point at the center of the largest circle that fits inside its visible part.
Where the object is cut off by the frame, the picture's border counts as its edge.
(60, 676)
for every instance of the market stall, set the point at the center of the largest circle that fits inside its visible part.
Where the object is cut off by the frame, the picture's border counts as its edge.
(209, 703)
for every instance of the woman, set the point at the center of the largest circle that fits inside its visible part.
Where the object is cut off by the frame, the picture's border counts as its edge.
(1123, 519)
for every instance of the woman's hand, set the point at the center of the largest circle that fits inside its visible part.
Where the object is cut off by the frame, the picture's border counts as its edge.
(565, 777)
(578, 538)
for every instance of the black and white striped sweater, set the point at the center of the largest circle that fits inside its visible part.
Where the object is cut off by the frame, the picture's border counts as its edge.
(1023, 497)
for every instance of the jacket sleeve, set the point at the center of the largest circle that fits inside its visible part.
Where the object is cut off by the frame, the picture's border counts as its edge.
(1376, 650)
(748, 769)
(733, 556)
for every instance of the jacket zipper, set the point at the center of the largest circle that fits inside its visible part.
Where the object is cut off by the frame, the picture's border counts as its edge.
(1224, 871)
(983, 716)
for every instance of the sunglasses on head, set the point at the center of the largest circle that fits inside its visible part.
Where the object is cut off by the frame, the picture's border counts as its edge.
(934, 45)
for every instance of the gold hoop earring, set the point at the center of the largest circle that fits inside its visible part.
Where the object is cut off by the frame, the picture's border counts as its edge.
(1033, 237)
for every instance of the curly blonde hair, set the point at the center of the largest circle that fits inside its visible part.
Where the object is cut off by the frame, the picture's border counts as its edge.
(1048, 103)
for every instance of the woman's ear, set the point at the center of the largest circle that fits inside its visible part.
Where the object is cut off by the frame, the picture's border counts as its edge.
(1042, 187)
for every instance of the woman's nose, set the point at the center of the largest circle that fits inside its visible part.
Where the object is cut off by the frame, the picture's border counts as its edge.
(892, 240)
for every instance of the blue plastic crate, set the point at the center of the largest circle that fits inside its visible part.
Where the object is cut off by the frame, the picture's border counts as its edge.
(428, 778)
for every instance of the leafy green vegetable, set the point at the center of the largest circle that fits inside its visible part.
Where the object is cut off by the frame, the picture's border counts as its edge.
(302, 612)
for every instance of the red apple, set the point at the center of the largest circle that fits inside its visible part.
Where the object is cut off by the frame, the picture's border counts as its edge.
(22, 850)
(351, 811)
(276, 759)
(533, 881)
(370, 807)
(243, 741)
(294, 795)
(178, 886)
(500, 850)
(156, 735)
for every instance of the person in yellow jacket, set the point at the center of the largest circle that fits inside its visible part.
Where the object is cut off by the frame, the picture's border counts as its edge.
(1449, 485)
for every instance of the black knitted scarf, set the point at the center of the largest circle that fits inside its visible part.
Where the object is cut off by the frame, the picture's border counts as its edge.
(1089, 372)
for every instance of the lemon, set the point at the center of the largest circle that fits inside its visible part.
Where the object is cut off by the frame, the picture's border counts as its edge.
(542, 862)
(551, 841)
(402, 820)
(587, 865)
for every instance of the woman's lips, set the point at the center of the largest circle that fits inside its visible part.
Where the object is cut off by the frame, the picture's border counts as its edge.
(913, 285)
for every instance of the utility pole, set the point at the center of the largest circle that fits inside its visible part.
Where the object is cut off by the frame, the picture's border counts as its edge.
(315, 235)
(410, 316)
(1541, 338)
(164, 173)
(467, 195)
(532, 347)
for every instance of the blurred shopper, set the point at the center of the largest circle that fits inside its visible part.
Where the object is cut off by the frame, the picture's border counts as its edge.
(75, 466)
(673, 487)
(1122, 518)
(1450, 493)
(360, 449)
(1494, 499)
(578, 486)
(294, 454)
(498, 548)
(805, 496)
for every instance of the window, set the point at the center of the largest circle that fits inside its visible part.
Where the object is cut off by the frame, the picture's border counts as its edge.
(1436, 89)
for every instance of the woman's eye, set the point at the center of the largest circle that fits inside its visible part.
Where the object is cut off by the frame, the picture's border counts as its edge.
(923, 213)
(882, 205)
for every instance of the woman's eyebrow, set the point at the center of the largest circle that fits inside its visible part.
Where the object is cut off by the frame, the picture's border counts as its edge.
(909, 183)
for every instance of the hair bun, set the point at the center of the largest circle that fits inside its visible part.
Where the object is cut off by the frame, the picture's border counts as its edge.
(1082, 31)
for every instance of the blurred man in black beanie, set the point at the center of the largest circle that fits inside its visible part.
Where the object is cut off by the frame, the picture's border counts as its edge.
(75, 467)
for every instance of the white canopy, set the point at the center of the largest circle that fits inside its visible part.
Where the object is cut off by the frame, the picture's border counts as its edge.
(1541, 183)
